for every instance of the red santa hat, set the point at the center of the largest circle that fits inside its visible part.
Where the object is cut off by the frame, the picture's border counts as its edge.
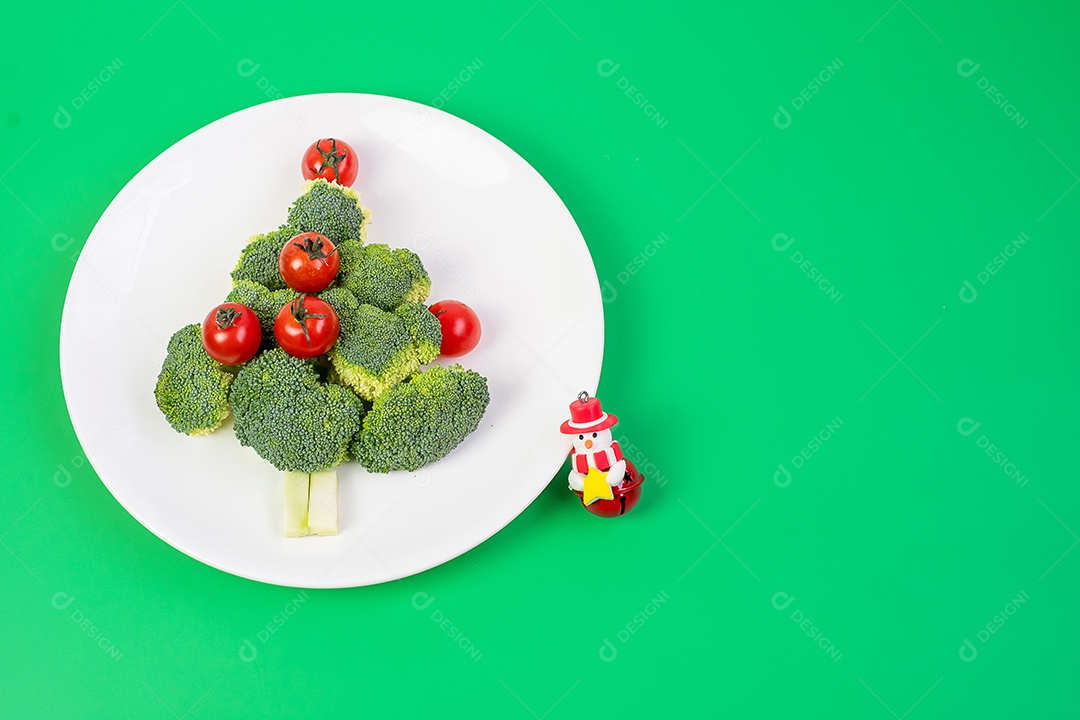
(586, 416)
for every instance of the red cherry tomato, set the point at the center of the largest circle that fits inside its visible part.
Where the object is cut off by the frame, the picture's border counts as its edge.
(306, 327)
(231, 333)
(460, 327)
(308, 262)
(331, 159)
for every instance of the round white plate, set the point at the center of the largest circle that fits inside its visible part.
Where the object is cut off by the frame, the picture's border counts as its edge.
(491, 233)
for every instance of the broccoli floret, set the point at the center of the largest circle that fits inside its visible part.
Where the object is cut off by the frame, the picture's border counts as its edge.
(289, 417)
(265, 302)
(351, 254)
(192, 389)
(424, 328)
(421, 420)
(421, 287)
(344, 303)
(259, 260)
(330, 209)
(382, 277)
(373, 352)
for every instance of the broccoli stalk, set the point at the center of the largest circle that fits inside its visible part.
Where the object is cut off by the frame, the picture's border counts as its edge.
(322, 503)
(297, 491)
(311, 503)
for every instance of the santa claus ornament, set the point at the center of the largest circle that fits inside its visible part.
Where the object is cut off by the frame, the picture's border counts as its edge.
(607, 483)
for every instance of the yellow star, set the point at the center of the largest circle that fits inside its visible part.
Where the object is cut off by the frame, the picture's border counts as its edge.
(596, 487)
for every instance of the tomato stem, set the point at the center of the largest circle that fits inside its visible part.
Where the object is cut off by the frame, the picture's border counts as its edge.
(314, 248)
(330, 158)
(301, 314)
(226, 317)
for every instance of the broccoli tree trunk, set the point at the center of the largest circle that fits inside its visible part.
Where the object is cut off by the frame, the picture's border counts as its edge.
(311, 501)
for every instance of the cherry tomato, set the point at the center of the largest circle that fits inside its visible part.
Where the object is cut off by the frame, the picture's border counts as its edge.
(331, 159)
(231, 333)
(308, 262)
(306, 327)
(460, 327)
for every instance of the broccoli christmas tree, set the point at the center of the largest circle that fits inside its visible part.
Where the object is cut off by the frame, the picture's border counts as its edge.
(368, 397)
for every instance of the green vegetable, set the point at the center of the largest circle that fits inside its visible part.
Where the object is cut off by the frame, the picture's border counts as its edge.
(295, 507)
(265, 302)
(373, 352)
(311, 503)
(424, 328)
(192, 389)
(382, 277)
(289, 417)
(344, 303)
(259, 260)
(330, 209)
(350, 253)
(322, 510)
(421, 420)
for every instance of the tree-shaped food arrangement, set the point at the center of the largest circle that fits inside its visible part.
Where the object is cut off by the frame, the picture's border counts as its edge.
(319, 352)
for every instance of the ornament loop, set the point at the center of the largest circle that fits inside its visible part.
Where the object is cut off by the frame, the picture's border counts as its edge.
(583, 396)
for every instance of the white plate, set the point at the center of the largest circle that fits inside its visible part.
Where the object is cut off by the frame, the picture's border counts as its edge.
(490, 231)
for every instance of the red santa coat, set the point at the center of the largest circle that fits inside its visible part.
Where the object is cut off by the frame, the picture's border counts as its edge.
(601, 459)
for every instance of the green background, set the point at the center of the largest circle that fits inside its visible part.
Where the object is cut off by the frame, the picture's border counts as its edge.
(898, 538)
